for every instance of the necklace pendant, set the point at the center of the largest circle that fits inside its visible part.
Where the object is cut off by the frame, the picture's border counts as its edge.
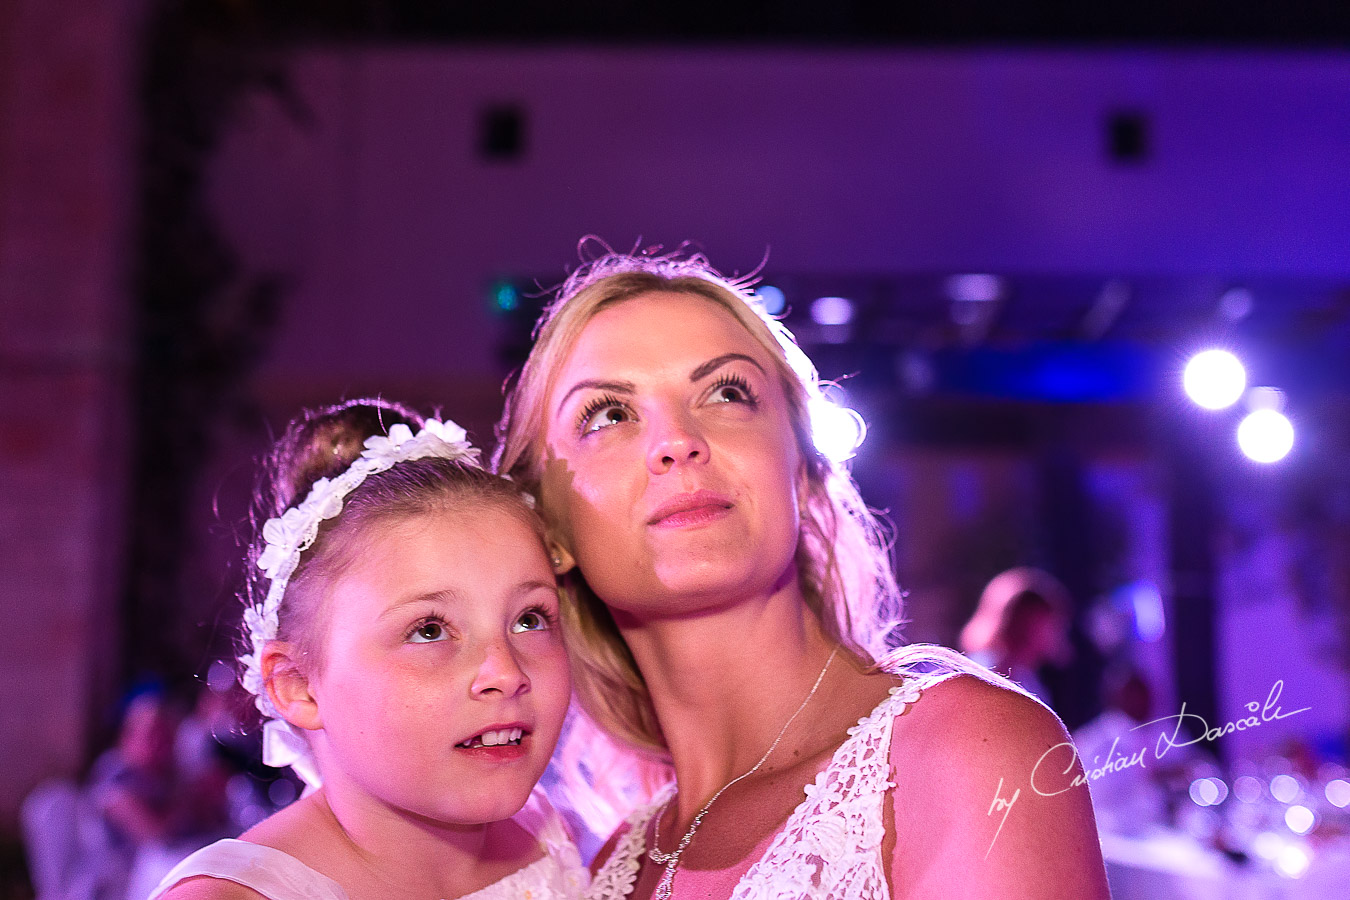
(666, 885)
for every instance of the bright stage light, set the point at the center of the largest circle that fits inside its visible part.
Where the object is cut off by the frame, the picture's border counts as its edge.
(1214, 379)
(1266, 436)
(832, 310)
(836, 430)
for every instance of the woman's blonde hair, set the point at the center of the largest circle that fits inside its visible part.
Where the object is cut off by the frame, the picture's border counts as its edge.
(843, 552)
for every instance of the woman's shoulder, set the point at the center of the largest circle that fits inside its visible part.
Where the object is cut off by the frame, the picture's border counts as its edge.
(965, 761)
(979, 701)
(959, 703)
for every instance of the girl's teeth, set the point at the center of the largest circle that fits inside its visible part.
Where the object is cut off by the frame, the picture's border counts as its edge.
(497, 738)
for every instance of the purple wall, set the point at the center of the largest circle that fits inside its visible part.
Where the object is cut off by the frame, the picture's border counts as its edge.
(840, 162)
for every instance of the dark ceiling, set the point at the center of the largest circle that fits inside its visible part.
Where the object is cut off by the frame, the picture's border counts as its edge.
(1250, 22)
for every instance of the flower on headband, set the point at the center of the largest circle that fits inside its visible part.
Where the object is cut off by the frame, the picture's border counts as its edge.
(444, 439)
(252, 680)
(295, 529)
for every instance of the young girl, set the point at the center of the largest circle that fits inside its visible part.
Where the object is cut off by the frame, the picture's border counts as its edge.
(406, 657)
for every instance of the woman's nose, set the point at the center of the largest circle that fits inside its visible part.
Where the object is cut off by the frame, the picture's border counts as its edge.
(675, 441)
(500, 673)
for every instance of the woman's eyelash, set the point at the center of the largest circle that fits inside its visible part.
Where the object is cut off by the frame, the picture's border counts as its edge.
(593, 407)
(736, 381)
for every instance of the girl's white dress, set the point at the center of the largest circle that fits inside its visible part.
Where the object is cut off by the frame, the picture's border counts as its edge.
(558, 875)
(830, 846)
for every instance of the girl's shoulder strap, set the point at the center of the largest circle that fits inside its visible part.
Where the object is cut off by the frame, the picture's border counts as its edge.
(270, 872)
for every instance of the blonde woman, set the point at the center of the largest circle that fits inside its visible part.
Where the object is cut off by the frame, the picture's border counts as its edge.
(735, 599)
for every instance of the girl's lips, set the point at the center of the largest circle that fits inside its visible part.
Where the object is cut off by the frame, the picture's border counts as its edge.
(511, 748)
(697, 508)
(501, 753)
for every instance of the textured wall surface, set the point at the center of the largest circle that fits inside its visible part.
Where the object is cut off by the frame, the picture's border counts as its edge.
(65, 144)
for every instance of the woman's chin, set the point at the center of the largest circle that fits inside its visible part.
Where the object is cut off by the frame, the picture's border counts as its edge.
(681, 592)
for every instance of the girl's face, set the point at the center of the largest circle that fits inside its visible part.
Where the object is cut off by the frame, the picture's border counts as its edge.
(444, 680)
(671, 471)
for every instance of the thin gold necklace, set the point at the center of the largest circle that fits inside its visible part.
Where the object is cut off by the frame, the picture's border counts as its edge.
(671, 860)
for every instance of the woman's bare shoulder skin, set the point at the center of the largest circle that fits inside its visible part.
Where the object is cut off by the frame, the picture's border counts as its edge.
(985, 803)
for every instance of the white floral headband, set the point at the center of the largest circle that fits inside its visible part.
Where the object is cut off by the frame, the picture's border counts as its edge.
(294, 532)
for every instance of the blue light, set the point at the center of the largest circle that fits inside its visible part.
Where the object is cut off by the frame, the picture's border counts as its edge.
(505, 297)
(774, 300)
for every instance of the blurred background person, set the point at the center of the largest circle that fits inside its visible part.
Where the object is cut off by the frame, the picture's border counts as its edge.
(136, 814)
(1020, 625)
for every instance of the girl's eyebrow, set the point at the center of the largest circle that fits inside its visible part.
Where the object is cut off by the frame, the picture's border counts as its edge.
(452, 596)
(529, 587)
(449, 596)
(715, 363)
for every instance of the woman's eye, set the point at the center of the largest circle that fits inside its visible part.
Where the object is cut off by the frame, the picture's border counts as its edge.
(732, 389)
(532, 620)
(428, 633)
(602, 413)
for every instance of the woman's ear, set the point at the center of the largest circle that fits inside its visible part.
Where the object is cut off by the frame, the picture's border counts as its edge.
(557, 532)
(288, 687)
(562, 559)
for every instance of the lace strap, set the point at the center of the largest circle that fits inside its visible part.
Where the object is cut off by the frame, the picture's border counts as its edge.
(616, 877)
(831, 844)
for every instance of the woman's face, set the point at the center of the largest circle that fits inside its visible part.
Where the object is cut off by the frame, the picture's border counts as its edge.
(671, 471)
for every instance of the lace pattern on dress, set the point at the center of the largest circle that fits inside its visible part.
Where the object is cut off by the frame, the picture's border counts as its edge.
(830, 846)
(616, 877)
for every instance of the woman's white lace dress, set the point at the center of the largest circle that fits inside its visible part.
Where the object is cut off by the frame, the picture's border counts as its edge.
(830, 846)
(558, 875)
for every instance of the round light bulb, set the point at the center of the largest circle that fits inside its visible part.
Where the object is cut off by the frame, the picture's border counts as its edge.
(1214, 379)
(1266, 436)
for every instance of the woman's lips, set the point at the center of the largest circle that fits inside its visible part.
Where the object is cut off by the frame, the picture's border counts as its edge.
(697, 508)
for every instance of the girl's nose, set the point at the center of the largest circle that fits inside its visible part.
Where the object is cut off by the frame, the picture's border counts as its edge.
(500, 673)
(676, 441)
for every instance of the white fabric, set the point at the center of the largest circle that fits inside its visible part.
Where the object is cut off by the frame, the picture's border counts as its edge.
(830, 847)
(283, 746)
(558, 875)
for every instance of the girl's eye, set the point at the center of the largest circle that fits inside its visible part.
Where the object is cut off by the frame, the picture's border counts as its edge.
(602, 412)
(732, 389)
(533, 620)
(428, 632)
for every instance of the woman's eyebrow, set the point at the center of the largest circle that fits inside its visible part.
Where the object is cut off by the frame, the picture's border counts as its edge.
(614, 387)
(714, 364)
